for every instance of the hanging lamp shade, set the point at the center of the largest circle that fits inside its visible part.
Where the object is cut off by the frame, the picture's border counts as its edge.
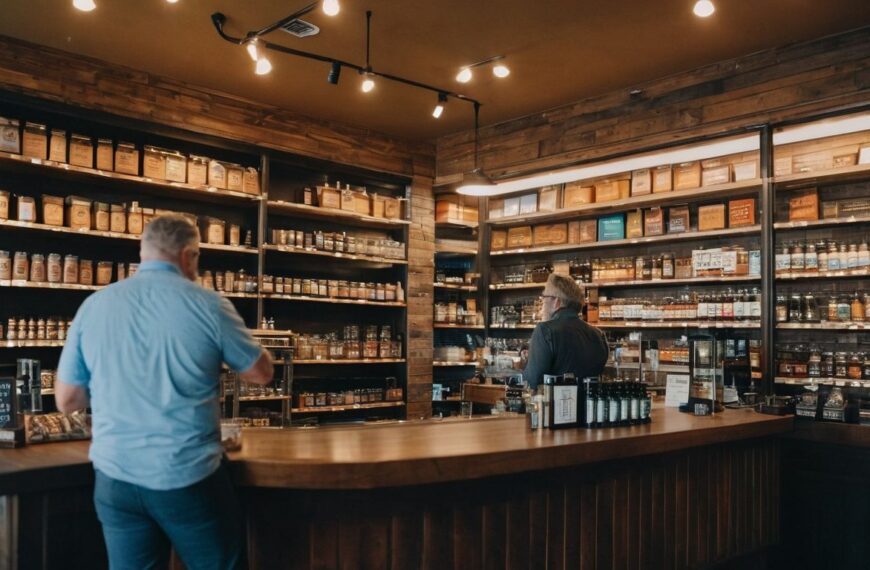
(476, 183)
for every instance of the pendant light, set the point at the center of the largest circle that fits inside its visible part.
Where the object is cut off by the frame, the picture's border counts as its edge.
(476, 182)
(84, 5)
(704, 8)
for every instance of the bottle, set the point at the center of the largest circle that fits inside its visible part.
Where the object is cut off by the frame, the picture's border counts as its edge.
(702, 308)
(634, 409)
(624, 404)
(781, 309)
(794, 308)
(858, 308)
(809, 309)
(783, 260)
(852, 256)
(844, 257)
(863, 256)
(645, 405)
(612, 406)
(811, 259)
(728, 306)
(600, 406)
(833, 257)
(798, 258)
(755, 305)
(592, 406)
(822, 249)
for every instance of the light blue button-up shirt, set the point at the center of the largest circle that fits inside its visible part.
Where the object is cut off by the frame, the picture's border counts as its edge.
(149, 350)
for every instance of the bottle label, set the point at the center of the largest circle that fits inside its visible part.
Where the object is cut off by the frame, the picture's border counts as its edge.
(613, 412)
(783, 262)
(635, 408)
(590, 411)
(623, 409)
(755, 308)
(811, 261)
(645, 405)
(600, 410)
(739, 309)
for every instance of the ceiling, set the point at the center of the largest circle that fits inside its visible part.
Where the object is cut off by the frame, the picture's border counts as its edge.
(559, 51)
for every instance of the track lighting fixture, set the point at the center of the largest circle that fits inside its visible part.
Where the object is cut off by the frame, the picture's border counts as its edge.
(84, 5)
(439, 108)
(264, 66)
(368, 82)
(334, 73)
(331, 7)
(500, 70)
(251, 47)
(704, 8)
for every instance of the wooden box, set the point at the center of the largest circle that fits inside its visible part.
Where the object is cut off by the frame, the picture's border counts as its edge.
(393, 208)
(52, 210)
(641, 182)
(747, 170)
(576, 194)
(634, 224)
(548, 199)
(328, 197)
(678, 219)
(711, 217)
(845, 160)
(716, 175)
(813, 161)
(57, 146)
(251, 183)
(520, 236)
(470, 213)
(217, 173)
(588, 231)
(154, 164)
(550, 234)
(574, 232)
(361, 203)
(610, 190)
(127, 159)
(235, 178)
(496, 208)
(10, 136)
(654, 222)
(741, 213)
(499, 239)
(529, 204)
(804, 206)
(782, 166)
(448, 209)
(378, 210)
(346, 200)
(663, 179)
(511, 207)
(35, 141)
(687, 175)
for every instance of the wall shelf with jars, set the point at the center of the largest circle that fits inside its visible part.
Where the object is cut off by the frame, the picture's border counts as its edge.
(822, 260)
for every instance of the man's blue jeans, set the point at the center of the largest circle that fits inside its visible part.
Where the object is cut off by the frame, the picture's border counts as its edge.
(202, 522)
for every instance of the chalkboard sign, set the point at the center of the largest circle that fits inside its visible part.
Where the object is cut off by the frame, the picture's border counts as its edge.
(8, 403)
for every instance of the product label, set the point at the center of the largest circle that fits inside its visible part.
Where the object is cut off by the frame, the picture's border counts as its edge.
(783, 262)
(564, 405)
(624, 409)
(613, 411)
(600, 410)
(590, 410)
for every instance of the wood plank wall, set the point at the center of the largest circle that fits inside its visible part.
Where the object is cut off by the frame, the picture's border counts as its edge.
(793, 81)
(684, 510)
(45, 73)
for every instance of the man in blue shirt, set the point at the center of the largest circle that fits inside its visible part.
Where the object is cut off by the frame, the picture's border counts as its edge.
(145, 354)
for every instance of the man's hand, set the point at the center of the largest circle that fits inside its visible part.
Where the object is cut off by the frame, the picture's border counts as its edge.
(69, 397)
(262, 370)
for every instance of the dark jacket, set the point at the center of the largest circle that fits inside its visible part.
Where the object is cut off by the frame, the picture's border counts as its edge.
(563, 344)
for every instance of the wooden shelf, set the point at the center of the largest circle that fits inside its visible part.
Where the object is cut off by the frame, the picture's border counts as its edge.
(805, 179)
(455, 286)
(457, 224)
(830, 222)
(455, 247)
(667, 238)
(524, 326)
(514, 286)
(31, 343)
(452, 326)
(329, 300)
(276, 398)
(263, 332)
(114, 235)
(353, 361)
(843, 382)
(233, 295)
(447, 363)
(852, 274)
(826, 325)
(192, 190)
(348, 408)
(303, 211)
(677, 325)
(334, 255)
(669, 282)
(45, 285)
(663, 368)
(693, 195)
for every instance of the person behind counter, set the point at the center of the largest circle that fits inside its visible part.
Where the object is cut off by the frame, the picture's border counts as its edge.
(146, 354)
(563, 342)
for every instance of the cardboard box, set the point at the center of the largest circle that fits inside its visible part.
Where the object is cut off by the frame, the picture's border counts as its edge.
(687, 175)
(804, 207)
(498, 240)
(548, 199)
(663, 179)
(576, 194)
(520, 236)
(634, 224)
(550, 234)
(747, 170)
(35, 141)
(610, 190)
(127, 159)
(235, 177)
(511, 207)
(574, 232)
(611, 227)
(782, 166)
(741, 213)
(154, 164)
(251, 183)
(176, 169)
(588, 231)
(716, 175)
(528, 204)
(641, 182)
(711, 217)
(57, 146)
(496, 208)
(197, 170)
(678, 219)
(654, 222)
(328, 197)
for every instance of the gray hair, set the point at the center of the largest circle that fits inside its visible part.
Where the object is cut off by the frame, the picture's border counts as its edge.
(565, 289)
(167, 235)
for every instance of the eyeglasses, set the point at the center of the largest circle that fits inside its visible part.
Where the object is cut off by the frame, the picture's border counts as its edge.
(548, 297)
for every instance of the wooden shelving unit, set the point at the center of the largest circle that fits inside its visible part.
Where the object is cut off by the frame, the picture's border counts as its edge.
(343, 216)
(455, 286)
(825, 326)
(678, 325)
(351, 361)
(334, 255)
(348, 408)
(453, 326)
(452, 363)
(330, 301)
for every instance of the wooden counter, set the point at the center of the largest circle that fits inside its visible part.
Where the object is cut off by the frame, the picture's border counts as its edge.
(680, 492)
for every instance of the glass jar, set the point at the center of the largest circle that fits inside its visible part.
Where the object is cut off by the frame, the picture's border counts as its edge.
(856, 363)
(20, 266)
(794, 308)
(371, 292)
(798, 258)
(323, 288)
(833, 257)
(306, 287)
(814, 364)
(844, 309)
(865, 370)
(841, 365)
(71, 269)
(86, 272)
(104, 272)
(783, 259)
(350, 244)
(833, 314)
(827, 366)
(822, 250)
(207, 280)
(809, 309)
(5, 266)
(37, 268)
(863, 256)
(852, 256)
(811, 259)
(857, 305)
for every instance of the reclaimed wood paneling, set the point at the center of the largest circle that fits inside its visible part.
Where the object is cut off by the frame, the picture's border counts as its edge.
(788, 82)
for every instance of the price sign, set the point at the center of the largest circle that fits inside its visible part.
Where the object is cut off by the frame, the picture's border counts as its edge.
(8, 403)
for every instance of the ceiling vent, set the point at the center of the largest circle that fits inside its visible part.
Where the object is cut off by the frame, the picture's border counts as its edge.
(300, 28)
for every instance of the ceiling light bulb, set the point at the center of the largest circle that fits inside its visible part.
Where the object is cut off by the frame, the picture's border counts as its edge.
(84, 5)
(264, 66)
(331, 7)
(368, 84)
(172, 1)
(464, 76)
(501, 70)
(439, 108)
(251, 46)
(704, 8)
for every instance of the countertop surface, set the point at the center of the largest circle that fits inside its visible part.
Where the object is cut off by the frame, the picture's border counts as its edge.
(414, 453)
